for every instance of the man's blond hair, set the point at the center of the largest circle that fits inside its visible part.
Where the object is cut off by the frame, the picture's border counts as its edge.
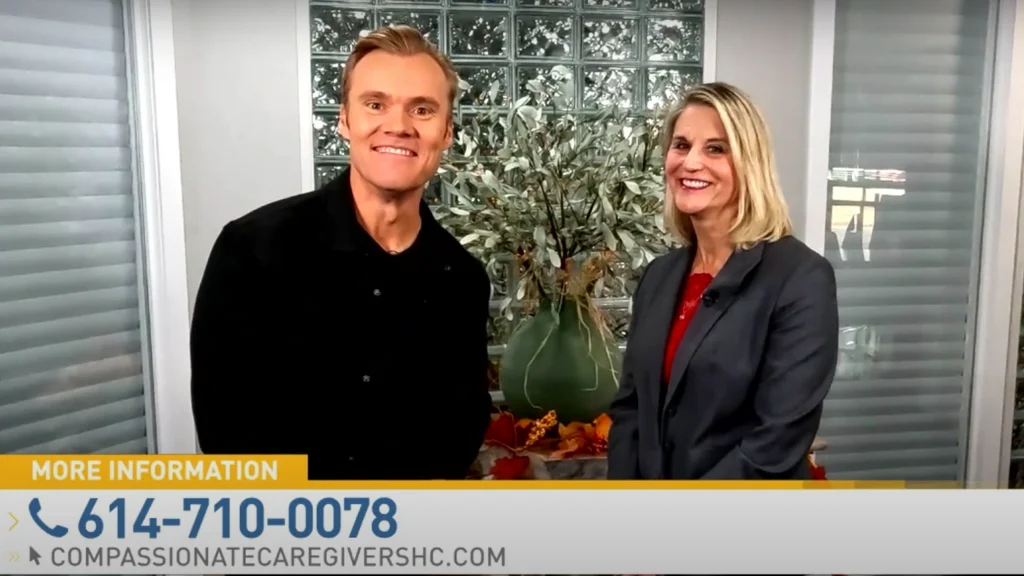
(399, 40)
(761, 212)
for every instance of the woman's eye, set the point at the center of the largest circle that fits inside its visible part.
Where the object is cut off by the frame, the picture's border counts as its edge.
(715, 149)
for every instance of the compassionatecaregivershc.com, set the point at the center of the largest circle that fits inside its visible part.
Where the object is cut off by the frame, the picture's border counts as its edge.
(277, 556)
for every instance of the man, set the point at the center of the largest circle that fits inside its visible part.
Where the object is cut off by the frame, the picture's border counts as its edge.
(346, 323)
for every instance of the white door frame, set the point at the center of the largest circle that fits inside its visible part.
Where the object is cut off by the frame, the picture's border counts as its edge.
(150, 38)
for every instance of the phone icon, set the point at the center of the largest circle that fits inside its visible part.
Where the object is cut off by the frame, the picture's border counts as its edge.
(56, 531)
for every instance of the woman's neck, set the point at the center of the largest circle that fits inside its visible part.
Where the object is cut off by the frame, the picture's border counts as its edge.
(713, 244)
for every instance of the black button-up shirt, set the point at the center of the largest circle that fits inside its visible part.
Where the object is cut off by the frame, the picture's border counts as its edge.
(308, 338)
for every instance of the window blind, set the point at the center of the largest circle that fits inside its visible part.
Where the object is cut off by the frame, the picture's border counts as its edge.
(905, 188)
(71, 354)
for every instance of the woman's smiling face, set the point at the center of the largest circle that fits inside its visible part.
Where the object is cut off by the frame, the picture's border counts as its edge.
(699, 168)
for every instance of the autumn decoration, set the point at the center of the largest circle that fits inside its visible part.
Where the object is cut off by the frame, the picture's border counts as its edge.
(517, 448)
(817, 472)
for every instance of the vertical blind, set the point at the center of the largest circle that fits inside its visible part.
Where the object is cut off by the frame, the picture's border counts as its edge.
(907, 158)
(71, 355)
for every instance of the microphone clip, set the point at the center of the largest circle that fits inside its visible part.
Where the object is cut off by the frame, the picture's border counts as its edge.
(709, 298)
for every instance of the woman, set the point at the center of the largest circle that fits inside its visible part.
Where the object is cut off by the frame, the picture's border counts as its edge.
(734, 336)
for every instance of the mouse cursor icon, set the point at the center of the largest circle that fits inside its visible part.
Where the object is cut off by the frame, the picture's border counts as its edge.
(33, 556)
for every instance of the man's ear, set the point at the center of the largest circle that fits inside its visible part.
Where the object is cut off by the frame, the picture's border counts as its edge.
(449, 134)
(343, 123)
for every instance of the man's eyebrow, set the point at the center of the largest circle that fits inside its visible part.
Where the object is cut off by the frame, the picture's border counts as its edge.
(373, 94)
(415, 101)
(425, 100)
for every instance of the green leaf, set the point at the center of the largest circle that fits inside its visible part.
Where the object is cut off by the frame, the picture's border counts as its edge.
(540, 236)
(627, 240)
(554, 258)
(609, 237)
(555, 184)
(529, 112)
(491, 181)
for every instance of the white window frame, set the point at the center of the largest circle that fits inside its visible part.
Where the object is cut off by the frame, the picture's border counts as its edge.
(150, 34)
(998, 317)
(998, 313)
(709, 59)
(307, 159)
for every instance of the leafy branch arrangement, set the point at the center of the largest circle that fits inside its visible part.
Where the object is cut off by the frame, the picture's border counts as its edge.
(574, 197)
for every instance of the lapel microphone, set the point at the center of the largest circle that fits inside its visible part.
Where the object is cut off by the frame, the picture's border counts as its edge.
(709, 298)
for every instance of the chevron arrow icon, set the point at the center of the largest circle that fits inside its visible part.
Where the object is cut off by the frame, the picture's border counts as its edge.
(14, 556)
(13, 517)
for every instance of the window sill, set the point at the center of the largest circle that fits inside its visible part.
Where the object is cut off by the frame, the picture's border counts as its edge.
(582, 467)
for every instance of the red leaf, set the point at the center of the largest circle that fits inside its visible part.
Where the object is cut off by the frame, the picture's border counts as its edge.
(502, 431)
(510, 467)
(818, 472)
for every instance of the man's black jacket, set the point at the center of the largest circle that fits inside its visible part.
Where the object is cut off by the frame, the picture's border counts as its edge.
(307, 338)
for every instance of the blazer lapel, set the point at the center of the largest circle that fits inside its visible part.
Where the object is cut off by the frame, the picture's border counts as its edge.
(663, 309)
(723, 291)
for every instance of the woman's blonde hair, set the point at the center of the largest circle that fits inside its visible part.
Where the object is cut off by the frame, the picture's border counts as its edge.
(761, 212)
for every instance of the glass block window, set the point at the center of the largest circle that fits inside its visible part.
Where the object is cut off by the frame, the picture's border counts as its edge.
(632, 53)
(637, 54)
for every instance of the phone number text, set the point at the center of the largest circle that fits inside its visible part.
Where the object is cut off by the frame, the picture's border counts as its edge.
(325, 517)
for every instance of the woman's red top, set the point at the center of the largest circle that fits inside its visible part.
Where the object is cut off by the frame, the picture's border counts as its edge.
(696, 284)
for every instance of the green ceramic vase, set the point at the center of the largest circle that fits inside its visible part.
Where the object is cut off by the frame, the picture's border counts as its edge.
(560, 360)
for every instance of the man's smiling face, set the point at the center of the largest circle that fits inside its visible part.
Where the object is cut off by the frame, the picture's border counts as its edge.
(397, 120)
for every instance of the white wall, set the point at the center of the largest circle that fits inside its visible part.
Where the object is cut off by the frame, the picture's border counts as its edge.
(764, 47)
(238, 109)
(239, 101)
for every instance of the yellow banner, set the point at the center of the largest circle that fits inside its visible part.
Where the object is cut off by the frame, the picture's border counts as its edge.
(270, 472)
(166, 471)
